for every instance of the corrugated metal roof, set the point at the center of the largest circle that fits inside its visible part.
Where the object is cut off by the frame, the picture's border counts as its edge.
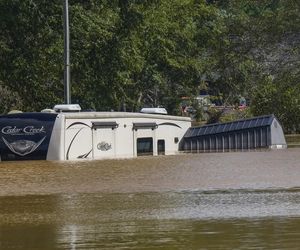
(260, 121)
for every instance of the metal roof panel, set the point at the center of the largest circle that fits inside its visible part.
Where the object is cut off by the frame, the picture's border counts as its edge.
(210, 129)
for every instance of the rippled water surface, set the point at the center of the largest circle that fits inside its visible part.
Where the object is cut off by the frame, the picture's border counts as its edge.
(245, 200)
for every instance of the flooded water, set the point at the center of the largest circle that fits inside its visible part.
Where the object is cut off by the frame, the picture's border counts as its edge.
(245, 200)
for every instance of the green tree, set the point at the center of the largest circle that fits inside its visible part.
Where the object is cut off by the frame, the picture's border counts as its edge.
(161, 48)
(149, 52)
(31, 51)
(279, 96)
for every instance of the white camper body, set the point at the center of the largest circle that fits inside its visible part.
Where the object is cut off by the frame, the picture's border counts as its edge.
(107, 135)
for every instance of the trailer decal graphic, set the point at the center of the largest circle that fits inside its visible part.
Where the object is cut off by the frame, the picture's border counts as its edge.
(69, 148)
(23, 147)
(104, 146)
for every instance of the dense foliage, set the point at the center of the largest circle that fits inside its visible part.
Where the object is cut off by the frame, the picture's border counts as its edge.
(126, 54)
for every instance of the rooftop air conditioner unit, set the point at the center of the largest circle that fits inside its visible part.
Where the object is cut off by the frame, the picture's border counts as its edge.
(161, 111)
(67, 108)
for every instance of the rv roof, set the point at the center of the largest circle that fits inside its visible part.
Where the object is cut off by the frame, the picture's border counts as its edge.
(110, 115)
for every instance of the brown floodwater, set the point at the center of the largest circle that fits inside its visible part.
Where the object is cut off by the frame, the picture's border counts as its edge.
(238, 200)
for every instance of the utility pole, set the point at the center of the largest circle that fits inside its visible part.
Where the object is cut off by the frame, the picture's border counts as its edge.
(67, 94)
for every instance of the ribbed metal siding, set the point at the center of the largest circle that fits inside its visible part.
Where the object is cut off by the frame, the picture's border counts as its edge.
(258, 137)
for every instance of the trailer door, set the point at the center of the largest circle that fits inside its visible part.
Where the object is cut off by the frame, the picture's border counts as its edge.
(144, 134)
(104, 140)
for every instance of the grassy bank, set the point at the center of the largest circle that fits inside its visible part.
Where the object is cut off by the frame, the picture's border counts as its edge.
(293, 140)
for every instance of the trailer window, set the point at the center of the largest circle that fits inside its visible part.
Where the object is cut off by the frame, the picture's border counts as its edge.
(145, 146)
(161, 147)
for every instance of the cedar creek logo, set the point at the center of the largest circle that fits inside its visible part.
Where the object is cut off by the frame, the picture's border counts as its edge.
(22, 147)
(28, 130)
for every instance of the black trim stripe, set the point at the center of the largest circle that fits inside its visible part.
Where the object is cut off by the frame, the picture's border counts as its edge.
(68, 151)
(78, 123)
(84, 155)
(169, 124)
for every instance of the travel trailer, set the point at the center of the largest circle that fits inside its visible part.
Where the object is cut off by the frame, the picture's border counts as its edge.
(65, 133)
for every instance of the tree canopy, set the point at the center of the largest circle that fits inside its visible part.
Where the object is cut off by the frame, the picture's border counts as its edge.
(126, 54)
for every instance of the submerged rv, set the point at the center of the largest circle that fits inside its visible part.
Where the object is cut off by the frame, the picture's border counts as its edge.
(67, 134)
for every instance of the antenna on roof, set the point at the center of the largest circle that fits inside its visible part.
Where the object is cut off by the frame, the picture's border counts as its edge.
(66, 54)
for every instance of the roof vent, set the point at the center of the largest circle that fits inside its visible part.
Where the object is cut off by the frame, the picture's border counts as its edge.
(67, 108)
(14, 111)
(47, 111)
(161, 111)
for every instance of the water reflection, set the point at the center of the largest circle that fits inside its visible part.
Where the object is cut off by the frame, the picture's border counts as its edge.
(265, 219)
(280, 233)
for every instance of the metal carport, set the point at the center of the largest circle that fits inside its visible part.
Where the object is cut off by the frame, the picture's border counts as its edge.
(247, 134)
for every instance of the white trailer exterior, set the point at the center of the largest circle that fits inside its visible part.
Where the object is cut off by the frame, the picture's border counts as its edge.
(90, 135)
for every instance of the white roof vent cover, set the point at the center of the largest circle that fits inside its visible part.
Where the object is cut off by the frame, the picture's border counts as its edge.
(67, 108)
(161, 111)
